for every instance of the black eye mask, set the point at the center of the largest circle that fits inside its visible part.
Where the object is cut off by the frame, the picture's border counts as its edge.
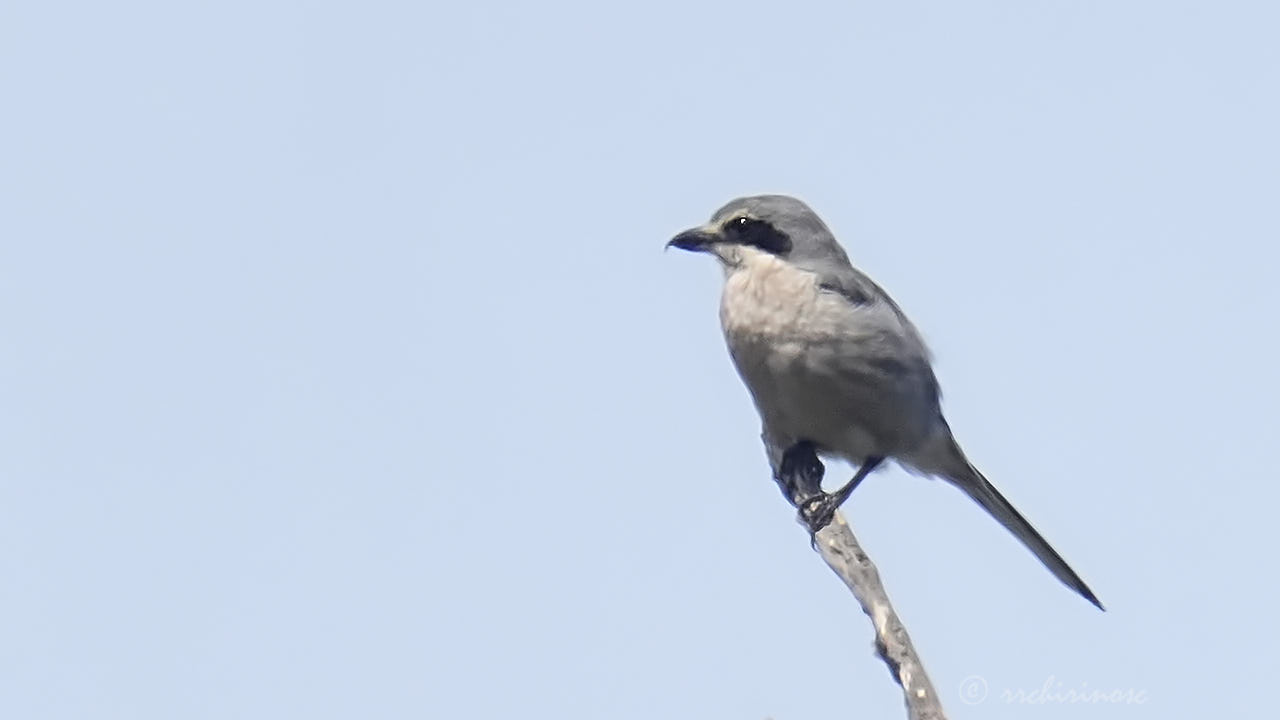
(757, 233)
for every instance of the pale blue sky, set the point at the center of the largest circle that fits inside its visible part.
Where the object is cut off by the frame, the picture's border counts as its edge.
(344, 375)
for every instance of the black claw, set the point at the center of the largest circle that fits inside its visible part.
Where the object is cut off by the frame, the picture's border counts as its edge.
(800, 477)
(818, 508)
(818, 511)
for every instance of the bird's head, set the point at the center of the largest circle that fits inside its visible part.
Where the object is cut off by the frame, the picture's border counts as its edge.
(776, 224)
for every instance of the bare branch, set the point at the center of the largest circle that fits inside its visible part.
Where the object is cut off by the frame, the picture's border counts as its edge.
(840, 549)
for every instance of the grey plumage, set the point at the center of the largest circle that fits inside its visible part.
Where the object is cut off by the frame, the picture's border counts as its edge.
(829, 358)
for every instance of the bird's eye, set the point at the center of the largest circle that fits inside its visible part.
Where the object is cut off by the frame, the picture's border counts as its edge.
(740, 226)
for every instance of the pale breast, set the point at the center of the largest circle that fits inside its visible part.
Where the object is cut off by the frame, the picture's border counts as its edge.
(786, 337)
(768, 299)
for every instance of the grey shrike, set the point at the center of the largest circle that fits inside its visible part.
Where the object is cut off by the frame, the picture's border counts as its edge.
(833, 364)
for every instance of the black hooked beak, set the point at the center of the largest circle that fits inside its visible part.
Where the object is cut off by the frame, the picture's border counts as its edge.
(695, 240)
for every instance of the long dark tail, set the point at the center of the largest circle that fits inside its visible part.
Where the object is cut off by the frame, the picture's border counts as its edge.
(985, 494)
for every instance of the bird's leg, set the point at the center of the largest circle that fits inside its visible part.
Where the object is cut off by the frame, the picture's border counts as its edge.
(800, 477)
(800, 473)
(818, 511)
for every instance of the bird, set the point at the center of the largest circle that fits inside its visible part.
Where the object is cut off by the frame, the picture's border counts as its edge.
(833, 364)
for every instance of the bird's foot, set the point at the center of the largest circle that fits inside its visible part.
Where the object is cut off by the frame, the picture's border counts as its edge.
(817, 512)
(819, 509)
